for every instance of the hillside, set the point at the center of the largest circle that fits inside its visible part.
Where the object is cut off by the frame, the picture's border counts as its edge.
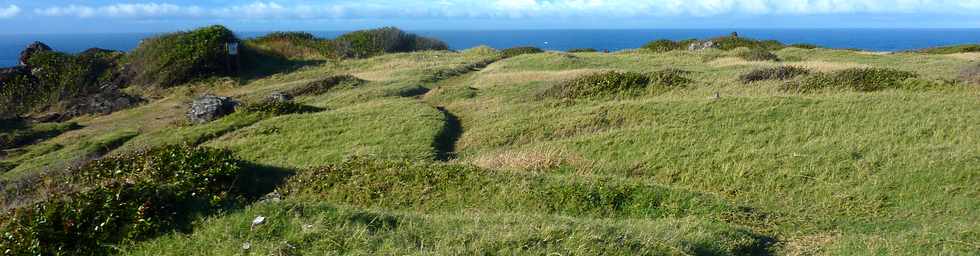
(639, 152)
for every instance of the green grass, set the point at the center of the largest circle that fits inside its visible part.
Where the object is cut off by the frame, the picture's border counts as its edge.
(61, 156)
(709, 166)
(952, 49)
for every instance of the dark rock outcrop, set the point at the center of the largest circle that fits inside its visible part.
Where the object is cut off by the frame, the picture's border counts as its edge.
(699, 45)
(279, 97)
(32, 49)
(208, 108)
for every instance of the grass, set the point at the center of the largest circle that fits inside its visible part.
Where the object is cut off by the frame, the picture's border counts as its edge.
(711, 166)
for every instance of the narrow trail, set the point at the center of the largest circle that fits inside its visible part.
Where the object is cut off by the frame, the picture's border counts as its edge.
(447, 138)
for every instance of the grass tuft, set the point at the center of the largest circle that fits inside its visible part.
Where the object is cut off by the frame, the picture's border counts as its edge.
(600, 85)
(857, 79)
(757, 54)
(774, 73)
(517, 51)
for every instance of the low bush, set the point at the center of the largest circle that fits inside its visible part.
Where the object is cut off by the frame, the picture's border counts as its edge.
(599, 85)
(369, 43)
(664, 45)
(952, 49)
(130, 198)
(276, 108)
(517, 51)
(172, 59)
(857, 79)
(757, 54)
(734, 42)
(323, 85)
(971, 74)
(670, 78)
(295, 45)
(804, 46)
(774, 73)
(583, 50)
(481, 50)
(55, 77)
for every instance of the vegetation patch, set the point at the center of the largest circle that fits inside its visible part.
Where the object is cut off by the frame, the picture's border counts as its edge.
(517, 51)
(295, 45)
(664, 45)
(774, 73)
(131, 198)
(971, 74)
(600, 85)
(277, 108)
(19, 133)
(965, 48)
(369, 43)
(670, 78)
(804, 46)
(757, 54)
(176, 58)
(321, 86)
(857, 79)
(55, 77)
(583, 50)
(734, 42)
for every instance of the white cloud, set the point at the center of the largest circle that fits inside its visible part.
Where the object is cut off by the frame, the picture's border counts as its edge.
(9, 11)
(353, 9)
(122, 10)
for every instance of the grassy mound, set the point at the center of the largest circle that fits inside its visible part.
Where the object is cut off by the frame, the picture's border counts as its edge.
(59, 77)
(757, 54)
(804, 46)
(774, 73)
(971, 74)
(857, 79)
(517, 51)
(664, 45)
(369, 43)
(131, 198)
(176, 58)
(16, 133)
(734, 42)
(952, 49)
(600, 85)
(669, 78)
(323, 85)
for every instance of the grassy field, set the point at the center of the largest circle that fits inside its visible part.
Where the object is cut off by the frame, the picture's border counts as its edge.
(483, 161)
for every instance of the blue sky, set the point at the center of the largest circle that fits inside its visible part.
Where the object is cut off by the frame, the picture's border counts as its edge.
(98, 16)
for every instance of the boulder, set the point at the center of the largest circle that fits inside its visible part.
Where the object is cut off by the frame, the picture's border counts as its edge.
(699, 45)
(279, 97)
(209, 108)
(31, 49)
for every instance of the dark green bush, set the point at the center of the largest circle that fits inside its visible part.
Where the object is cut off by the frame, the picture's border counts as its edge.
(369, 43)
(295, 45)
(664, 45)
(774, 73)
(277, 108)
(971, 74)
(583, 50)
(758, 54)
(321, 86)
(804, 46)
(857, 79)
(732, 42)
(952, 49)
(670, 78)
(177, 58)
(57, 77)
(517, 51)
(599, 85)
(129, 198)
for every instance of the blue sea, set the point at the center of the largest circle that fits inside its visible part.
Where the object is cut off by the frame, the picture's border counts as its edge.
(867, 39)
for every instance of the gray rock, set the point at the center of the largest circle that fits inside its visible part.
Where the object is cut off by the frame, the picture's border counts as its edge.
(698, 46)
(280, 97)
(32, 49)
(208, 108)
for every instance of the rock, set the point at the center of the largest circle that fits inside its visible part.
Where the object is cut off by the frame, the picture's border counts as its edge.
(209, 108)
(96, 104)
(32, 49)
(280, 97)
(698, 45)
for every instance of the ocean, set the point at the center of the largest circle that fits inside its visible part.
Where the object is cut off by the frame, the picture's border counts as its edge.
(613, 40)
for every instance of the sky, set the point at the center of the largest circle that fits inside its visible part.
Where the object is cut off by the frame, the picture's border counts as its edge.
(105, 16)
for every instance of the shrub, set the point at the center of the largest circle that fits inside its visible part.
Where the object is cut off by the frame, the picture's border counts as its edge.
(670, 78)
(600, 84)
(663, 45)
(857, 79)
(757, 54)
(804, 46)
(321, 86)
(733, 42)
(177, 58)
(517, 51)
(971, 74)
(583, 50)
(481, 50)
(57, 77)
(952, 49)
(369, 43)
(295, 45)
(774, 73)
(132, 197)
(277, 108)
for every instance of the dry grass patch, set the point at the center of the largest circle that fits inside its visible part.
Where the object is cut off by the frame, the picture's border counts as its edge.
(972, 56)
(498, 79)
(530, 160)
(808, 245)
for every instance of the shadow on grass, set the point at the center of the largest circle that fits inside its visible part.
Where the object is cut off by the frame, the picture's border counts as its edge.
(445, 142)
(257, 64)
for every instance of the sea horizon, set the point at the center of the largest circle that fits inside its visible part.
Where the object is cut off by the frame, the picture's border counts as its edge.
(868, 39)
